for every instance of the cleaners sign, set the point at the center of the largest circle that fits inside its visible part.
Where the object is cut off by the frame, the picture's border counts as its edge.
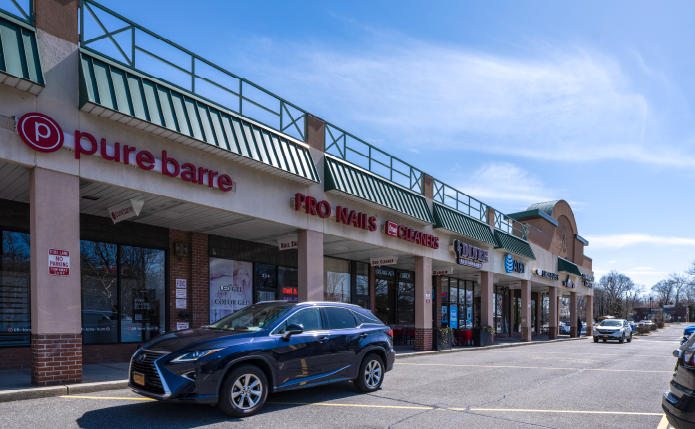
(58, 262)
(393, 229)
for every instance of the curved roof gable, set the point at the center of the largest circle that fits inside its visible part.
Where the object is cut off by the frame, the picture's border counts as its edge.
(546, 207)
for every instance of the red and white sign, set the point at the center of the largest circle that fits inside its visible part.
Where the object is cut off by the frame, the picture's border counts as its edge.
(393, 229)
(125, 210)
(180, 303)
(443, 272)
(58, 262)
(287, 244)
(181, 293)
(180, 283)
(40, 132)
(386, 260)
(428, 297)
(181, 325)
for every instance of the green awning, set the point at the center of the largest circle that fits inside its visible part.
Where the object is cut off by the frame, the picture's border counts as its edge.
(567, 266)
(112, 91)
(20, 62)
(514, 245)
(459, 223)
(355, 183)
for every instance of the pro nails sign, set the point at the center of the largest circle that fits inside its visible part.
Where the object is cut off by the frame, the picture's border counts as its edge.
(43, 134)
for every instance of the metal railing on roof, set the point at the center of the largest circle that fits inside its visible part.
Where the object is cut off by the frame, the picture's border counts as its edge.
(510, 226)
(22, 10)
(136, 47)
(356, 151)
(457, 200)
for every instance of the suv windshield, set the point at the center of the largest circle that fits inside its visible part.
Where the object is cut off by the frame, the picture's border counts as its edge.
(252, 318)
(611, 323)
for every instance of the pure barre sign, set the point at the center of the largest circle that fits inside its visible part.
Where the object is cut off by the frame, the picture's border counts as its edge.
(43, 134)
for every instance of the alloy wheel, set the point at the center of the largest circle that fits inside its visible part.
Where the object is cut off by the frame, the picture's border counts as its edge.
(372, 374)
(247, 391)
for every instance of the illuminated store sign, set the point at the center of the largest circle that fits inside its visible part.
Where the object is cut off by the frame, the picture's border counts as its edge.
(568, 283)
(393, 229)
(468, 255)
(546, 274)
(511, 265)
(323, 210)
(43, 134)
(588, 280)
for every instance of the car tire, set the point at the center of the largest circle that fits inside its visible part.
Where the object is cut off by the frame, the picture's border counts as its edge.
(241, 382)
(622, 340)
(371, 374)
(629, 340)
(596, 340)
(605, 341)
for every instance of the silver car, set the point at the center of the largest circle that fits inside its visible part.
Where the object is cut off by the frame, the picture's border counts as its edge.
(613, 329)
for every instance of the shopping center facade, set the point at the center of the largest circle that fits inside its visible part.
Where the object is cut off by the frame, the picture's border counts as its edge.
(134, 202)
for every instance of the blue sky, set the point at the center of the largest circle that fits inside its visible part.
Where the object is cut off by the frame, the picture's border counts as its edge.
(511, 102)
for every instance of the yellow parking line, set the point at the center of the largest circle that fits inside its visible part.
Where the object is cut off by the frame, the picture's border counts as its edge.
(107, 397)
(328, 404)
(558, 411)
(573, 353)
(663, 424)
(531, 367)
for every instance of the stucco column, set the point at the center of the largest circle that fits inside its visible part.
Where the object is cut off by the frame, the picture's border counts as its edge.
(525, 310)
(310, 266)
(539, 304)
(574, 329)
(438, 299)
(589, 315)
(423, 309)
(552, 313)
(56, 301)
(486, 298)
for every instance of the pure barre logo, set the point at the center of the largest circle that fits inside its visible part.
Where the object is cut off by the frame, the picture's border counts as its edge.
(40, 132)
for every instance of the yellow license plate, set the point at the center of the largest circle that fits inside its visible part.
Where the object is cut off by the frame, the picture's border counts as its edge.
(139, 379)
(605, 336)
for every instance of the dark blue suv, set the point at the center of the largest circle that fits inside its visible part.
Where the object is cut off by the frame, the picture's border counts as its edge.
(264, 348)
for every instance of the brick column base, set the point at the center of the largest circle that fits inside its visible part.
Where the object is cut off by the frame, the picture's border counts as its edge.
(423, 339)
(573, 332)
(552, 333)
(56, 359)
(525, 334)
(589, 331)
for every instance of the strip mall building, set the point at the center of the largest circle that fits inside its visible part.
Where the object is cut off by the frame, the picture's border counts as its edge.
(141, 194)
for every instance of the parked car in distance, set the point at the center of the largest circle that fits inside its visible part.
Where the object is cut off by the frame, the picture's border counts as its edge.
(645, 322)
(613, 329)
(264, 348)
(564, 328)
(677, 402)
(687, 333)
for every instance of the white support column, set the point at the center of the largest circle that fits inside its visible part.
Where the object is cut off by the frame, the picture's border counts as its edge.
(310, 266)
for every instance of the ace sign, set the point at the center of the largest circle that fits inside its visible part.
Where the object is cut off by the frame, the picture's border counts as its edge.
(58, 262)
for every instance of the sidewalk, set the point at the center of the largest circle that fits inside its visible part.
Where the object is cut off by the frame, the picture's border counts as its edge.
(500, 343)
(16, 384)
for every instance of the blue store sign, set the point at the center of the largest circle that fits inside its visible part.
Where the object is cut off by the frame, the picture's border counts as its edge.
(453, 317)
(511, 265)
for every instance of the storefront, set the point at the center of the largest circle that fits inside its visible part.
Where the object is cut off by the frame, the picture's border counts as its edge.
(131, 206)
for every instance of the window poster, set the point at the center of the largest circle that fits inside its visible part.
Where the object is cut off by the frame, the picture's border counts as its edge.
(453, 317)
(231, 287)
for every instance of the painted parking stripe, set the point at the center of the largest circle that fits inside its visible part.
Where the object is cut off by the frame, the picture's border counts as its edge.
(622, 413)
(565, 352)
(532, 367)
(329, 404)
(108, 397)
(663, 424)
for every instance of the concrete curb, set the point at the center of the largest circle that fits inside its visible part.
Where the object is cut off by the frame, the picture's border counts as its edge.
(499, 346)
(51, 391)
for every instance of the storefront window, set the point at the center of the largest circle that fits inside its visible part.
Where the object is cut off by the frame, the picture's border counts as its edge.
(15, 305)
(142, 293)
(265, 282)
(99, 266)
(362, 284)
(230, 287)
(336, 280)
(385, 284)
(288, 280)
(406, 299)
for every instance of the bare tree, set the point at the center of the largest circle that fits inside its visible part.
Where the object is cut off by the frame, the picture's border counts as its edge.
(633, 298)
(611, 287)
(679, 282)
(663, 291)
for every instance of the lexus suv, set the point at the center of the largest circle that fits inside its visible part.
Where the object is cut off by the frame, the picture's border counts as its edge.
(679, 402)
(264, 348)
(613, 329)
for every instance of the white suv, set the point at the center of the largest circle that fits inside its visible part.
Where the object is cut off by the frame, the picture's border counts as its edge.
(613, 329)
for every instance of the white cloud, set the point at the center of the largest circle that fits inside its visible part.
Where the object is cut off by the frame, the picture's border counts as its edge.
(643, 268)
(506, 182)
(565, 103)
(623, 240)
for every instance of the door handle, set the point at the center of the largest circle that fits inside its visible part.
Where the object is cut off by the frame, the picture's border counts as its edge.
(364, 335)
(323, 339)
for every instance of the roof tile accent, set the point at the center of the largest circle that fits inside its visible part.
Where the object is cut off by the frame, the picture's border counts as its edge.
(108, 90)
(352, 181)
(514, 245)
(20, 62)
(459, 223)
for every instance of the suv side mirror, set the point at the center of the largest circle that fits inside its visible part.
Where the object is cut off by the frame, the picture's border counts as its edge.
(292, 329)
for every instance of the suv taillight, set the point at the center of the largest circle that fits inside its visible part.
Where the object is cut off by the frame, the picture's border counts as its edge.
(389, 333)
(688, 358)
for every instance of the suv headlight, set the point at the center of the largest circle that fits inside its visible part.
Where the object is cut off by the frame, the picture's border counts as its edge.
(191, 356)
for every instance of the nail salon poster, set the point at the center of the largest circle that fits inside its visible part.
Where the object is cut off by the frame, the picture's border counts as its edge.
(230, 287)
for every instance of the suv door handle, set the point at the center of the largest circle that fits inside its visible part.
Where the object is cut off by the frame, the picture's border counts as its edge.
(364, 335)
(323, 339)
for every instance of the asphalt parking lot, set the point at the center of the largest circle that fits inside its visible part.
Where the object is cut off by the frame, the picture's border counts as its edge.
(576, 384)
